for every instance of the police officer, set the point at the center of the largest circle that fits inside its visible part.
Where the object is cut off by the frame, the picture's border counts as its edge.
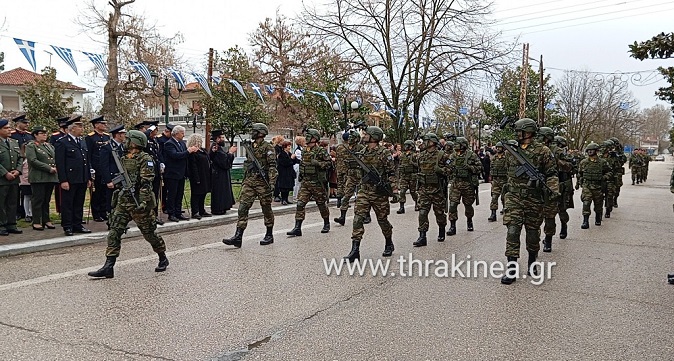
(313, 174)
(72, 164)
(139, 206)
(107, 165)
(254, 186)
(407, 178)
(11, 160)
(100, 202)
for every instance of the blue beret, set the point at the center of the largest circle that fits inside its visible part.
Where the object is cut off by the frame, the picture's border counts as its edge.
(3, 122)
(345, 136)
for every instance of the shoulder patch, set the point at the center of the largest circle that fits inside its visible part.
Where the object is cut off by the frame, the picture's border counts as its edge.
(150, 163)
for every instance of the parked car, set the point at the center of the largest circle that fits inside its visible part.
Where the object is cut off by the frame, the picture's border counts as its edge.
(660, 158)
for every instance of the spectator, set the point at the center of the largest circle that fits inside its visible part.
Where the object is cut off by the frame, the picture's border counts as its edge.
(199, 166)
(276, 142)
(175, 155)
(24, 188)
(300, 142)
(286, 173)
(222, 197)
(332, 173)
(41, 158)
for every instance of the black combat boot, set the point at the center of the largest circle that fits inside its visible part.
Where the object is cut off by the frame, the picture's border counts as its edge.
(268, 237)
(597, 219)
(469, 224)
(339, 202)
(326, 226)
(416, 206)
(107, 270)
(367, 219)
(586, 222)
(441, 234)
(608, 213)
(421, 241)
(562, 232)
(670, 278)
(341, 219)
(532, 258)
(452, 228)
(506, 280)
(236, 240)
(500, 212)
(388, 248)
(547, 243)
(355, 251)
(615, 202)
(163, 263)
(297, 231)
(492, 218)
(402, 209)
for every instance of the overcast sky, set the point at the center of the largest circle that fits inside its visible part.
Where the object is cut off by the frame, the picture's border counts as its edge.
(570, 34)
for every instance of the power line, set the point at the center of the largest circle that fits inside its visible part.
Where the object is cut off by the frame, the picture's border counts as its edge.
(528, 6)
(562, 8)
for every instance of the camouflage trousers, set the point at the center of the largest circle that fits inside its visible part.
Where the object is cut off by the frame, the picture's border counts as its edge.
(431, 195)
(341, 184)
(609, 197)
(497, 192)
(352, 181)
(587, 196)
(146, 221)
(404, 183)
(255, 188)
(465, 191)
(644, 173)
(550, 211)
(312, 191)
(636, 173)
(369, 199)
(522, 210)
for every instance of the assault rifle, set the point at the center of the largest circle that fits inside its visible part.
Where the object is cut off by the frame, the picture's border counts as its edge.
(372, 176)
(122, 178)
(536, 179)
(255, 165)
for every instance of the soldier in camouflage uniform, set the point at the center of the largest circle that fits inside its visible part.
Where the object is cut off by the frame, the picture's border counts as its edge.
(610, 156)
(524, 201)
(254, 186)
(565, 172)
(314, 177)
(407, 177)
(635, 163)
(342, 153)
(593, 173)
(353, 176)
(647, 160)
(620, 169)
(466, 166)
(380, 160)
(434, 169)
(139, 167)
(499, 177)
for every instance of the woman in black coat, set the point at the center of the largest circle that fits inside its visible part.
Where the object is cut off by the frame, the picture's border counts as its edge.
(199, 173)
(222, 197)
(286, 173)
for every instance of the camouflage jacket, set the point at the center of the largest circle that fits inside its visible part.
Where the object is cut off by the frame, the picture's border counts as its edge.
(265, 154)
(434, 167)
(564, 163)
(498, 168)
(140, 167)
(593, 172)
(342, 152)
(380, 160)
(408, 166)
(465, 166)
(540, 157)
(315, 163)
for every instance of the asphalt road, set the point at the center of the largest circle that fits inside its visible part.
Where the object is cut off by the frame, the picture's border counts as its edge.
(606, 298)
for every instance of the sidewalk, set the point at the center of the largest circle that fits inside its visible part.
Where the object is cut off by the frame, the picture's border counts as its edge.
(35, 241)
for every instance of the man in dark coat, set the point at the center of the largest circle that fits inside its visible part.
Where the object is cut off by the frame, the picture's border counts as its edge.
(222, 197)
(63, 131)
(161, 140)
(175, 154)
(199, 172)
(100, 202)
(153, 150)
(107, 165)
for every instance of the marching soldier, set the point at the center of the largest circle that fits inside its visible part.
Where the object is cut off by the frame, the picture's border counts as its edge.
(342, 153)
(499, 177)
(370, 195)
(407, 178)
(609, 155)
(434, 168)
(565, 172)
(95, 141)
(619, 171)
(254, 186)
(139, 206)
(153, 150)
(466, 166)
(593, 173)
(353, 173)
(11, 161)
(525, 200)
(635, 164)
(313, 174)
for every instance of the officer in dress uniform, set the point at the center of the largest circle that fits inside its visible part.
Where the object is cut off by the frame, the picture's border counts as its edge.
(22, 135)
(161, 139)
(152, 149)
(63, 131)
(107, 165)
(72, 165)
(95, 141)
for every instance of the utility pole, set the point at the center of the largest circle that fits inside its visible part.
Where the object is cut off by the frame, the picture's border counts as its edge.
(210, 76)
(524, 79)
(541, 99)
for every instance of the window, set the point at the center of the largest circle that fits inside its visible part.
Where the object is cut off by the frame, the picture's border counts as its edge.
(11, 103)
(176, 108)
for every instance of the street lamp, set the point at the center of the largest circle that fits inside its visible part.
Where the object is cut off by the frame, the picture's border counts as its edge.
(166, 92)
(1, 107)
(354, 106)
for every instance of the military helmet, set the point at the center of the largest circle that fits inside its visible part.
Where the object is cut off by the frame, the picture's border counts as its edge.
(354, 137)
(608, 144)
(615, 140)
(561, 141)
(592, 146)
(432, 137)
(375, 133)
(526, 125)
(137, 138)
(257, 129)
(409, 144)
(312, 134)
(499, 144)
(513, 142)
(546, 133)
(449, 136)
(462, 142)
(449, 144)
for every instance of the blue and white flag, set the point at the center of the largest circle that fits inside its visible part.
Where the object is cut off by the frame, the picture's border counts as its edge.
(270, 89)
(323, 95)
(376, 106)
(238, 87)
(178, 76)
(28, 50)
(67, 56)
(202, 81)
(392, 112)
(256, 90)
(143, 70)
(339, 105)
(216, 79)
(97, 59)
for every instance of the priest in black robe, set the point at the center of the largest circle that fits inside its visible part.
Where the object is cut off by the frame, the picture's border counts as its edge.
(222, 197)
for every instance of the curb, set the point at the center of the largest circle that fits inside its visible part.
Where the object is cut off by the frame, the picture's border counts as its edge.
(83, 239)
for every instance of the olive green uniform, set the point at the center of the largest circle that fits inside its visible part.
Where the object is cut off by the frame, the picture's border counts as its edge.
(254, 186)
(313, 175)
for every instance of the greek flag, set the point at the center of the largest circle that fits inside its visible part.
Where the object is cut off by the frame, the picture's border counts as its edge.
(321, 94)
(180, 79)
(269, 88)
(97, 59)
(256, 89)
(237, 86)
(339, 105)
(376, 106)
(202, 81)
(28, 50)
(216, 79)
(143, 70)
(67, 56)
